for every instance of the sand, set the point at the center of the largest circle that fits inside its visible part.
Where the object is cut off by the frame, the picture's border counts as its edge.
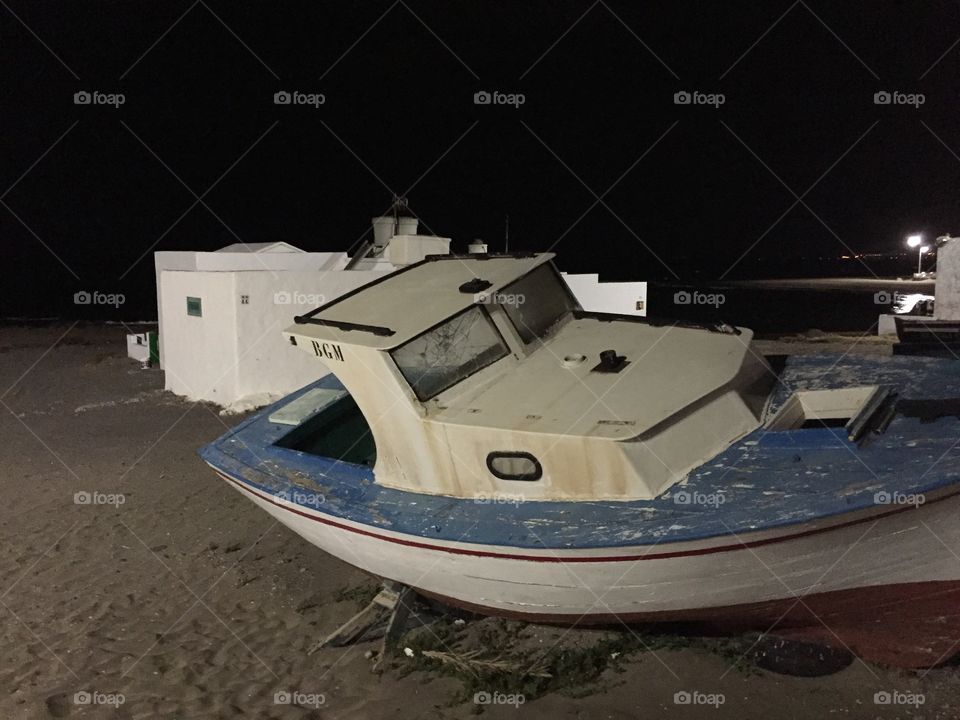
(191, 603)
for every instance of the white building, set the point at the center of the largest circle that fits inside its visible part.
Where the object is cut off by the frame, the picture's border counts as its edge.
(617, 298)
(221, 313)
(947, 303)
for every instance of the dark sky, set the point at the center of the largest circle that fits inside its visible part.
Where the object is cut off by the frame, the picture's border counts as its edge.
(701, 191)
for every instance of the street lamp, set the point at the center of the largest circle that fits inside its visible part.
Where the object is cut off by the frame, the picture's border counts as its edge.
(916, 241)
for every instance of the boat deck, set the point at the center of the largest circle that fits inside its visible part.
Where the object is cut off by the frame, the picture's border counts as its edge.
(767, 480)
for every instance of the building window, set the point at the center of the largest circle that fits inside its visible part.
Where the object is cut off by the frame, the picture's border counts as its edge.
(194, 307)
(244, 299)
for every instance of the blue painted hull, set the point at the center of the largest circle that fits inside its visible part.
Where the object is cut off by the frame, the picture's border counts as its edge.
(767, 480)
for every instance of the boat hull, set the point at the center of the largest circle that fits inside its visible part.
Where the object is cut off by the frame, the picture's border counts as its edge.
(910, 625)
(884, 583)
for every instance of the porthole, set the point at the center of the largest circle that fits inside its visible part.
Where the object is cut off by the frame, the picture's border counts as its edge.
(514, 466)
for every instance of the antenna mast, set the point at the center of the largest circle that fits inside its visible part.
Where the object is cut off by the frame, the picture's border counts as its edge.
(399, 202)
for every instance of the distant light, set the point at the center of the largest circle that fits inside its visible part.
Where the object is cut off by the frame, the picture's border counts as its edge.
(914, 240)
(925, 248)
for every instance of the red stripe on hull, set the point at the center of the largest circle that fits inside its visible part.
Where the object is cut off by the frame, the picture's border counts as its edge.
(585, 558)
(913, 625)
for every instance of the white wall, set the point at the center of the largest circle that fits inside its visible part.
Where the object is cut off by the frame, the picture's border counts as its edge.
(269, 262)
(271, 367)
(201, 351)
(946, 305)
(619, 298)
(235, 355)
(409, 249)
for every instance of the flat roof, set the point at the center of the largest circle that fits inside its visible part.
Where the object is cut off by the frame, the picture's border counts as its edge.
(392, 310)
(261, 247)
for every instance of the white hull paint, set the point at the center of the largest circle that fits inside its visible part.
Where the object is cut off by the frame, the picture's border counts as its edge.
(885, 548)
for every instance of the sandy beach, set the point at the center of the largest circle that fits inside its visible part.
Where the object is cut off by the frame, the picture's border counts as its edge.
(135, 584)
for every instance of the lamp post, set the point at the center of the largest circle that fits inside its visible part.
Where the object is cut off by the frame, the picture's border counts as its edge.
(916, 241)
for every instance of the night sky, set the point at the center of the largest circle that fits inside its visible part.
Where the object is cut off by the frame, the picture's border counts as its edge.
(598, 164)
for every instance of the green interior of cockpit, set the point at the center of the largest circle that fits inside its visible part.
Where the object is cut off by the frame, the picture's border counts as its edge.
(339, 431)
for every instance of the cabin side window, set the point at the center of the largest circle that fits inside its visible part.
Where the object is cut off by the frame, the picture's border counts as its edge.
(538, 301)
(457, 348)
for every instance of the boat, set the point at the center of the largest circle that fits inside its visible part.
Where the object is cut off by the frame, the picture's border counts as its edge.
(484, 441)
(927, 336)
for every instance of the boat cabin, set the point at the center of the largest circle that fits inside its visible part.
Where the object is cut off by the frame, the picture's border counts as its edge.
(480, 376)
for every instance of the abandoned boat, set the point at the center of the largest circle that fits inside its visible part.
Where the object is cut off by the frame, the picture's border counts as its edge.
(486, 442)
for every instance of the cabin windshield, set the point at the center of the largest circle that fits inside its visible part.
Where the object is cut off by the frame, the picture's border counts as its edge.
(536, 303)
(450, 352)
